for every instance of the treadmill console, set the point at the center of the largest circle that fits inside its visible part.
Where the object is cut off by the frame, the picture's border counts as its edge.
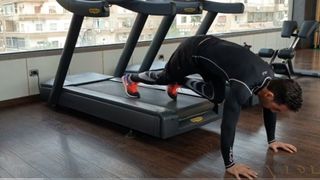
(96, 8)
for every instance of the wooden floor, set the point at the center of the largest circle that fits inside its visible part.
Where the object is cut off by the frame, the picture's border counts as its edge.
(37, 142)
(307, 59)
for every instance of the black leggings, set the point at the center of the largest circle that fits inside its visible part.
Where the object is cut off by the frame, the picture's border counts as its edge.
(212, 88)
(153, 77)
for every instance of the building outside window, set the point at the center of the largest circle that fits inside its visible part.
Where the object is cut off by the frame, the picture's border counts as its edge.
(21, 22)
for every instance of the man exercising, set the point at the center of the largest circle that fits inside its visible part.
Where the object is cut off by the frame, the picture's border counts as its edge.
(219, 61)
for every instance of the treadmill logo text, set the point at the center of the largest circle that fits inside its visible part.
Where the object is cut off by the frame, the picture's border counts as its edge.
(94, 11)
(189, 10)
(198, 119)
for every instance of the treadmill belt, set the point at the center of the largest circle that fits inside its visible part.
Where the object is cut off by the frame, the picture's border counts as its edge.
(148, 95)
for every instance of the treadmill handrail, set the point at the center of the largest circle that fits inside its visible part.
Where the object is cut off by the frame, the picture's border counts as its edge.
(149, 7)
(219, 7)
(96, 8)
(100, 8)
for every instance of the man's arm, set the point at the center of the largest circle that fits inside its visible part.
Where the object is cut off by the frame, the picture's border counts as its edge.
(231, 112)
(237, 96)
(270, 124)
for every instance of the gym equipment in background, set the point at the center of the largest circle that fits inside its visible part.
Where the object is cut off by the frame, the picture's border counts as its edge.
(290, 29)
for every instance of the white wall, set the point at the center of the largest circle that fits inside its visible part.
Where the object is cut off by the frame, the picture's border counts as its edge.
(15, 81)
(86, 62)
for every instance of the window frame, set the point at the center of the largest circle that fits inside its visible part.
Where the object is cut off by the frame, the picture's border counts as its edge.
(57, 51)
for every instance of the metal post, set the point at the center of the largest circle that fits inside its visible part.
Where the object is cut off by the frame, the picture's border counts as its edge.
(206, 23)
(156, 43)
(65, 59)
(130, 44)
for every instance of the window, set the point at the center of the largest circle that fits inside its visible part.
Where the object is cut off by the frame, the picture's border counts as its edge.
(37, 9)
(261, 17)
(8, 9)
(66, 26)
(53, 27)
(97, 23)
(270, 17)
(44, 32)
(141, 38)
(16, 43)
(124, 36)
(127, 23)
(22, 28)
(2, 43)
(52, 10)
(54, 44)
(184, 19)
(21, 9)
(222, 19)
(41, 44)
(196, 20)
(39, 27)
(11, 26)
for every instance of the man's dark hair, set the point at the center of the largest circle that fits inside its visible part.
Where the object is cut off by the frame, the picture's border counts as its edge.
(287, 92)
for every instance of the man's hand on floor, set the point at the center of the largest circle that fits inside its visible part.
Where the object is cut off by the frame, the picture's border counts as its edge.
(239, 170)
(275, 146)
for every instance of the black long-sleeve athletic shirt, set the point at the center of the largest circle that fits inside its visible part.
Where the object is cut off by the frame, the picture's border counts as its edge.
(246, 73)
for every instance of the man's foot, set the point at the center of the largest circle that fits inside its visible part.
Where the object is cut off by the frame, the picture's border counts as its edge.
(130, 87)
(172, 91)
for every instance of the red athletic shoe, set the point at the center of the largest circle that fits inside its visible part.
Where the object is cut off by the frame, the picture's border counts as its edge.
(130, 87)
(172, 91)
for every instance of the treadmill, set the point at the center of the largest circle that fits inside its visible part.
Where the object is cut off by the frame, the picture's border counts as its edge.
(103, 96)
